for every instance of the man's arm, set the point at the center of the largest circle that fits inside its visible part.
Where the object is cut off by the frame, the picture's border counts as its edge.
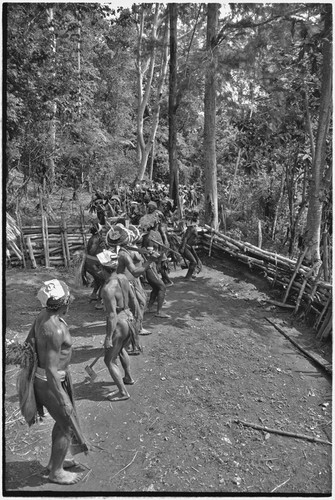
(109, 299)
(54, 340)
(137, 271)
(31, 333)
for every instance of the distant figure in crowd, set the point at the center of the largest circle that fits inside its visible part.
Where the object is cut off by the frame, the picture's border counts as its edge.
(92, 265)
(51, 385)
(161, 228)
(149, 243)
(187, 247)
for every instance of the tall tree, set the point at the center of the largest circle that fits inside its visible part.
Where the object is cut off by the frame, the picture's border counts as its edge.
(321, 172)
(146, 66)
(174, 173)
(211, 202)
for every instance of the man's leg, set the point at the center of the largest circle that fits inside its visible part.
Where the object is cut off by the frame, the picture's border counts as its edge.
(111, 355)
(192, 264)
(59, 448)
(124, 358)
(60, 437)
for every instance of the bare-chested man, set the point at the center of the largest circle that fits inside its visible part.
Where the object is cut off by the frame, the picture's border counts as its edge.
(131, 264)
(52, 385)
(187, 247)
(119, 298)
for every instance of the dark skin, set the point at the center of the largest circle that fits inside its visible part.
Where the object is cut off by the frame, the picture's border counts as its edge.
(54, 349)
(158, 287)
(130, 263)
(187, 250)
(95, 245)
(116, 296)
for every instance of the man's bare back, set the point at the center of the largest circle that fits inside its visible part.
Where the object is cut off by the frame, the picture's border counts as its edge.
(49, 327)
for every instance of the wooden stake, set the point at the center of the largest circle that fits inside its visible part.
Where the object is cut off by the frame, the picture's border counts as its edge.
(301, 258)
(21, 238)
(64, 251)
(66, 244)
(46, 249)
(31, 253)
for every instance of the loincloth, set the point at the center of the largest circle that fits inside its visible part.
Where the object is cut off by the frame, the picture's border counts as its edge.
(128, 316)
(77, 444)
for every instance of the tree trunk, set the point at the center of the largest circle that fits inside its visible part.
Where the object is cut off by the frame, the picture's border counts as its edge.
(211, 203)
(52, 124)
(155, 118)
(317, 183)
(174, 173)
(147, 69)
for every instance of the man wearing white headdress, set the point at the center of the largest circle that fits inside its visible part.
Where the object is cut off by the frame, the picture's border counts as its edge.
(51, 380)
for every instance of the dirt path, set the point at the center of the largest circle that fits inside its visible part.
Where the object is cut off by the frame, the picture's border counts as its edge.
(216, 361)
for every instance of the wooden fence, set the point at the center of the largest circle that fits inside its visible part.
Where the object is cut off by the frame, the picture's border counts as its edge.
(304, 293)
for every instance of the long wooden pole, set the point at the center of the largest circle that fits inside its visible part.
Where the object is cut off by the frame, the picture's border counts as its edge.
(283, 433)
(46, 234)
(31, 253)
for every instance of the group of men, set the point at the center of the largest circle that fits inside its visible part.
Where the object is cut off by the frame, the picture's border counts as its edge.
(116, 270)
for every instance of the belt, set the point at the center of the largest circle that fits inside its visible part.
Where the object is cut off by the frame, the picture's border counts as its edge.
(41, 374)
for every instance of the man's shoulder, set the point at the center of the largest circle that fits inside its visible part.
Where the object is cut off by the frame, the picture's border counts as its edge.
(50, 325)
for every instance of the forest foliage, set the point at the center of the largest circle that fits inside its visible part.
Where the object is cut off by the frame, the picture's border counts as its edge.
(87, 106)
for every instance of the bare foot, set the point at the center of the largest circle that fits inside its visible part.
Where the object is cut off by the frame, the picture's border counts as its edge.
(133, 352)
(65, 477)
(149, 310)
(162, 315)
(68, 463)
(117, 396)
(128, 381)
(144, 332)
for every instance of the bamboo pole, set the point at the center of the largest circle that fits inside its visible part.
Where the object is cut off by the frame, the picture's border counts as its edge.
(325, 259)
(283, 433)
(323, 312)
(303, 286)
(21, 238)
(66, 243)
(260, 238)
(47, 263)
(31, 253)
(301, 258)
(82, 226)
(306, 353)
(245, 246)
(325, 322)
(66, 262)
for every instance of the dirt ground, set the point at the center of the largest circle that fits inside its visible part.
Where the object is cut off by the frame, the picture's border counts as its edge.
(215, 362)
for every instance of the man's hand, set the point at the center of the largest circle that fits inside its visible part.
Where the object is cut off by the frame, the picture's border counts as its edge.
(108, 343)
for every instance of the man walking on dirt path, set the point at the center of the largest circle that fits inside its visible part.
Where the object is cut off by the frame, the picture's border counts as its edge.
(150, 242)
(187, 247)
(52, 386)
(131, 265)
(122, 330)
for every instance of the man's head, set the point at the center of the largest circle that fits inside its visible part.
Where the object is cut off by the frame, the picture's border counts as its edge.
(54, 294)
(117, 236)
(152, 206)
(192, 217)
(96, 227)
